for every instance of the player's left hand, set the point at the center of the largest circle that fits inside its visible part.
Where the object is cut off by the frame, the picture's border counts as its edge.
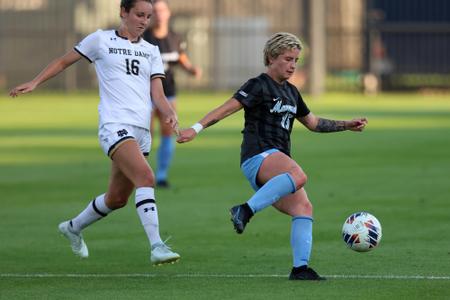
(357, 124)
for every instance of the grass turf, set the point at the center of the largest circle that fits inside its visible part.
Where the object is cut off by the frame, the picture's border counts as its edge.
(51, 166)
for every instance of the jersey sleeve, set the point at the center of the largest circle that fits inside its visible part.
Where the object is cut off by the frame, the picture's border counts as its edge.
(89, 46)
(303, 109)
(157, 64)
(250, 94)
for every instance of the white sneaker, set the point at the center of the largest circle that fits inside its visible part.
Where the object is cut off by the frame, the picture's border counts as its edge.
(76, 240)
(161, 254)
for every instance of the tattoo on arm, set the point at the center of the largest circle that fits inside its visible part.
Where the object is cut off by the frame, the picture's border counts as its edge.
(211, 123)
(325, 125)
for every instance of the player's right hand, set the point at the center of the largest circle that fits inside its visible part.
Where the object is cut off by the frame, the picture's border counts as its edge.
(186, 135)
(22, 89)
(357, 124)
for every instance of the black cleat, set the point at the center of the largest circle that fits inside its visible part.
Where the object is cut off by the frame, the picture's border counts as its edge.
(163, 184)
(240, 216)
(304, 273)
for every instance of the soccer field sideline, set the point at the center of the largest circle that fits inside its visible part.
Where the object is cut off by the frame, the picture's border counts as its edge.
(199, 275)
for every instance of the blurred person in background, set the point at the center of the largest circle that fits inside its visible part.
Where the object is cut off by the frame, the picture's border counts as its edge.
(173, 52)
(129, 72)
(271, 104)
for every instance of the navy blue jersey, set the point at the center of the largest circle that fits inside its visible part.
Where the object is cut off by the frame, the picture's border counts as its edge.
(270, 109)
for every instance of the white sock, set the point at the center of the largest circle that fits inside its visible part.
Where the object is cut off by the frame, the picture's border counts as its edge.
(95, 210)
(146, 209)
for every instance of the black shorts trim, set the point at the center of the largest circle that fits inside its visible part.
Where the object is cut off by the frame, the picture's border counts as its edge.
(79, 52)
(140, 203)
(113, 148)
(96, 209)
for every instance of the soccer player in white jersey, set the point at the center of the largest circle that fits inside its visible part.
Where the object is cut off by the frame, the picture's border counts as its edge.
(129, 72)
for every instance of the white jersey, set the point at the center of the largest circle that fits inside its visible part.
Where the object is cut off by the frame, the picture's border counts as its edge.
(124, 70)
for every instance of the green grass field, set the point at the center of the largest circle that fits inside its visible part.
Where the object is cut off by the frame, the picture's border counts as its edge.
(51, 165)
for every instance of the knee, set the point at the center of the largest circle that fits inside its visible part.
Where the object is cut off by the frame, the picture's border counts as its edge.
(299, 177)
(166, 131)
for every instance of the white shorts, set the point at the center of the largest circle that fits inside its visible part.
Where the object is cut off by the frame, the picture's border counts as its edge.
(112, 135)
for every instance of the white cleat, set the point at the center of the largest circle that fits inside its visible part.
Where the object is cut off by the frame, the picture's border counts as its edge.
(77, 243)
(162, 254)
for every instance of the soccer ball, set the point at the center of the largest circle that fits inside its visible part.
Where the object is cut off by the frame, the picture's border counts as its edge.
(361, 232)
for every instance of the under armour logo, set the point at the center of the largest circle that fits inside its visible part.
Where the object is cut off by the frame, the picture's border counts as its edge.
(149, 208)
(113, 39)
(122, 132)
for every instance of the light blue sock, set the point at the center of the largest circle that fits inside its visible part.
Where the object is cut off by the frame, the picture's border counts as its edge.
(277, 187)
(301, 239)
(165, 154)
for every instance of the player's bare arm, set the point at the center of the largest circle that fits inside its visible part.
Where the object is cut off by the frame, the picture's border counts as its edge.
(53, 69)
(214, 116)
(161, 102)
(221, 112)
(318, 124)
(186, 64)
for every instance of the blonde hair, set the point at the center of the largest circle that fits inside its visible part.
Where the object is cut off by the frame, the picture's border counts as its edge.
(278, 43)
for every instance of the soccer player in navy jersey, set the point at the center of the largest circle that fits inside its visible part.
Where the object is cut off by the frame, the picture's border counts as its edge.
(129, 71)
(173, 53)
(271, 104)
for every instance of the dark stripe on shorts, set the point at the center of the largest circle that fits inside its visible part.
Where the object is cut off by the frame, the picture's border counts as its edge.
(96, 209)
(79, 52)
(118, 142)
(140, 203)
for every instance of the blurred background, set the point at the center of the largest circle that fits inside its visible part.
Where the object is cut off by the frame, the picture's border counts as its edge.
(350, 45)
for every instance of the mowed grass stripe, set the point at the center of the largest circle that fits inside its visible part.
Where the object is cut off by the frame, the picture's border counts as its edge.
(194, 275)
